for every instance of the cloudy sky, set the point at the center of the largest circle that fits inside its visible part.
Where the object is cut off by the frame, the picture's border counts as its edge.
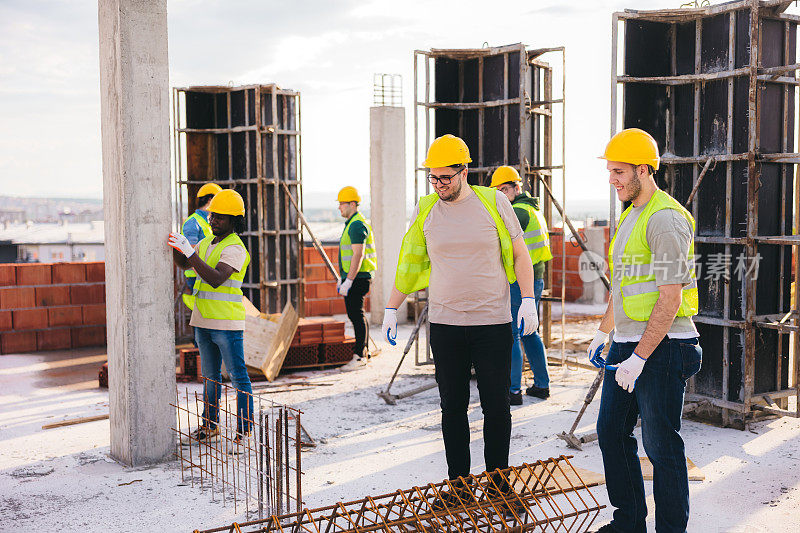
(326, 49)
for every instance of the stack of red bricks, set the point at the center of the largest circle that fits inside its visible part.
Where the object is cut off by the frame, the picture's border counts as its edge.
(56, 306)
(314, 342)
(571, 264)
(320, 285)
(189, 369)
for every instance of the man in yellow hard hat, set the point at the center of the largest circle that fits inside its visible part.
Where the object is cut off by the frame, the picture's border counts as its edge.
(655, 347)
(220, 260)
(465, 244)
(196, 228)
(358, 259)
(534, 230)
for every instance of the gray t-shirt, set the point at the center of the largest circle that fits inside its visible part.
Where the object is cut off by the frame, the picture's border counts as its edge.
(668, 235)
(468, 285)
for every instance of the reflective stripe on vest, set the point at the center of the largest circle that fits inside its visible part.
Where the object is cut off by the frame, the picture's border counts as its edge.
(537, 238)
(225, 301)
(369, 263)
(636, 273)
(414, 265)
(205, 227)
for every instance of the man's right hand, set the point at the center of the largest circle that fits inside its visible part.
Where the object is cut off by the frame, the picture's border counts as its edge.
(596, 348)
(389, 327)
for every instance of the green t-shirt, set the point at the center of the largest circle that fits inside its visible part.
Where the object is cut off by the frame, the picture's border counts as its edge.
(524, 218)
(358, 235)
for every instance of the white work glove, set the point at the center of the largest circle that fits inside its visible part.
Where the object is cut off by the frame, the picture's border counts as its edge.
(596, 348)
(628, 371)
(181, 243)
(344, 286)
(527, 317)
(389, 327)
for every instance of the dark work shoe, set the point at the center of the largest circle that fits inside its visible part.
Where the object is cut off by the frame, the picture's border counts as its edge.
(608, 528)
(516, 398)
(506, 500)
(538, 392)
(453, 499)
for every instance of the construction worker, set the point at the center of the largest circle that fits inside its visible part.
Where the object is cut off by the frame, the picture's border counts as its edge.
(534, 230)
(196, 228)
(220, 260)
(466, 245)
(655, 346)
(357, 261)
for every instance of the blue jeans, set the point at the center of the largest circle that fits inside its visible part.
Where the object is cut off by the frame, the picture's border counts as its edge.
(215, 346)
(658, 399)
(534, 348)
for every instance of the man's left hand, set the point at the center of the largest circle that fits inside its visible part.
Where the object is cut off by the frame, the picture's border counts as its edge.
(629, 370)
(344, 286)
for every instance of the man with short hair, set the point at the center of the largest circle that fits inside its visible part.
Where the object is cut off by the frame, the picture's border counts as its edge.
(534, 227)
(466, 245)
(655, 347)
(358, 259)
(196, 228)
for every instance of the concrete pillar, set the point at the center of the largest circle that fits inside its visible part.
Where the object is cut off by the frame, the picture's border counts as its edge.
(594, 292)
(387, 165)
(134, 96)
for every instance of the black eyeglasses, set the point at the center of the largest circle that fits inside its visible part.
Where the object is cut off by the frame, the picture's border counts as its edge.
(445, 180)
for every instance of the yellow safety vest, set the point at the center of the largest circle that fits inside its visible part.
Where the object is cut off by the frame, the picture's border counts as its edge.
(638, 286)
(188, 299)
(414, 265)
(225, 301)
(537, 238)
(370, 260)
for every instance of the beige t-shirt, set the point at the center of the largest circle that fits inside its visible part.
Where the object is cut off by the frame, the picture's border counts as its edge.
(235, 257)
(668, 235)
(468, 285)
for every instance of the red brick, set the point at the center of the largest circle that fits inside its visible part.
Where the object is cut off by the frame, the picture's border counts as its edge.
(317, 308)
(18, 341)
(69, 273)
(50, 296)
(34, 274)
(94, 314)
(96, 271)
(87, 294)
(17, 297)
(8, 274)
(317, 273)
(5, 321)
(366, 304)
(311, 290)
(327, 290)
(54, 339)
(337, 306)
(65, 316)
(30, 319)
(88, 336)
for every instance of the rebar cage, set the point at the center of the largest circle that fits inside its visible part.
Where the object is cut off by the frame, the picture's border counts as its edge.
(260, 470)
(500, 100)
(546, 495)
(246, 138)
(717, 88)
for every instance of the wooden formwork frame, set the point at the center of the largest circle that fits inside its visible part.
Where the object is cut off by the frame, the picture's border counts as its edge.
(536, 106)
(280, 278)
(785, 321)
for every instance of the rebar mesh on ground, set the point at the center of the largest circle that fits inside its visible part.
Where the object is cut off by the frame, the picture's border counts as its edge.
(261, 470)
(546, 496)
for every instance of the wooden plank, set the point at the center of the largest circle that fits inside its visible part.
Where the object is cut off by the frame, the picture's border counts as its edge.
(266, 341)
(695, 474)
(73, 421)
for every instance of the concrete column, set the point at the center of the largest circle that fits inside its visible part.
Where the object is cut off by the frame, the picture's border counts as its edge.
(134, 96)
(387, 165)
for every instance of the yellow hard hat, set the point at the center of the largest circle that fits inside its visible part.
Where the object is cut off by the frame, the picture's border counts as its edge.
(633, 146)
(503, 175)
(208, 188)
(227, 202)
(445, 151)
(348, 194)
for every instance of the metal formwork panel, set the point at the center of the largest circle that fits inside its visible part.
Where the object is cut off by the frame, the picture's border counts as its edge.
(716, 87)
(500, 101)
(247, 138)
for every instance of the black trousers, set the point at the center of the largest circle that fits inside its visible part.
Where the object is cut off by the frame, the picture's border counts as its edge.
(487, 349)
(354, 304)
